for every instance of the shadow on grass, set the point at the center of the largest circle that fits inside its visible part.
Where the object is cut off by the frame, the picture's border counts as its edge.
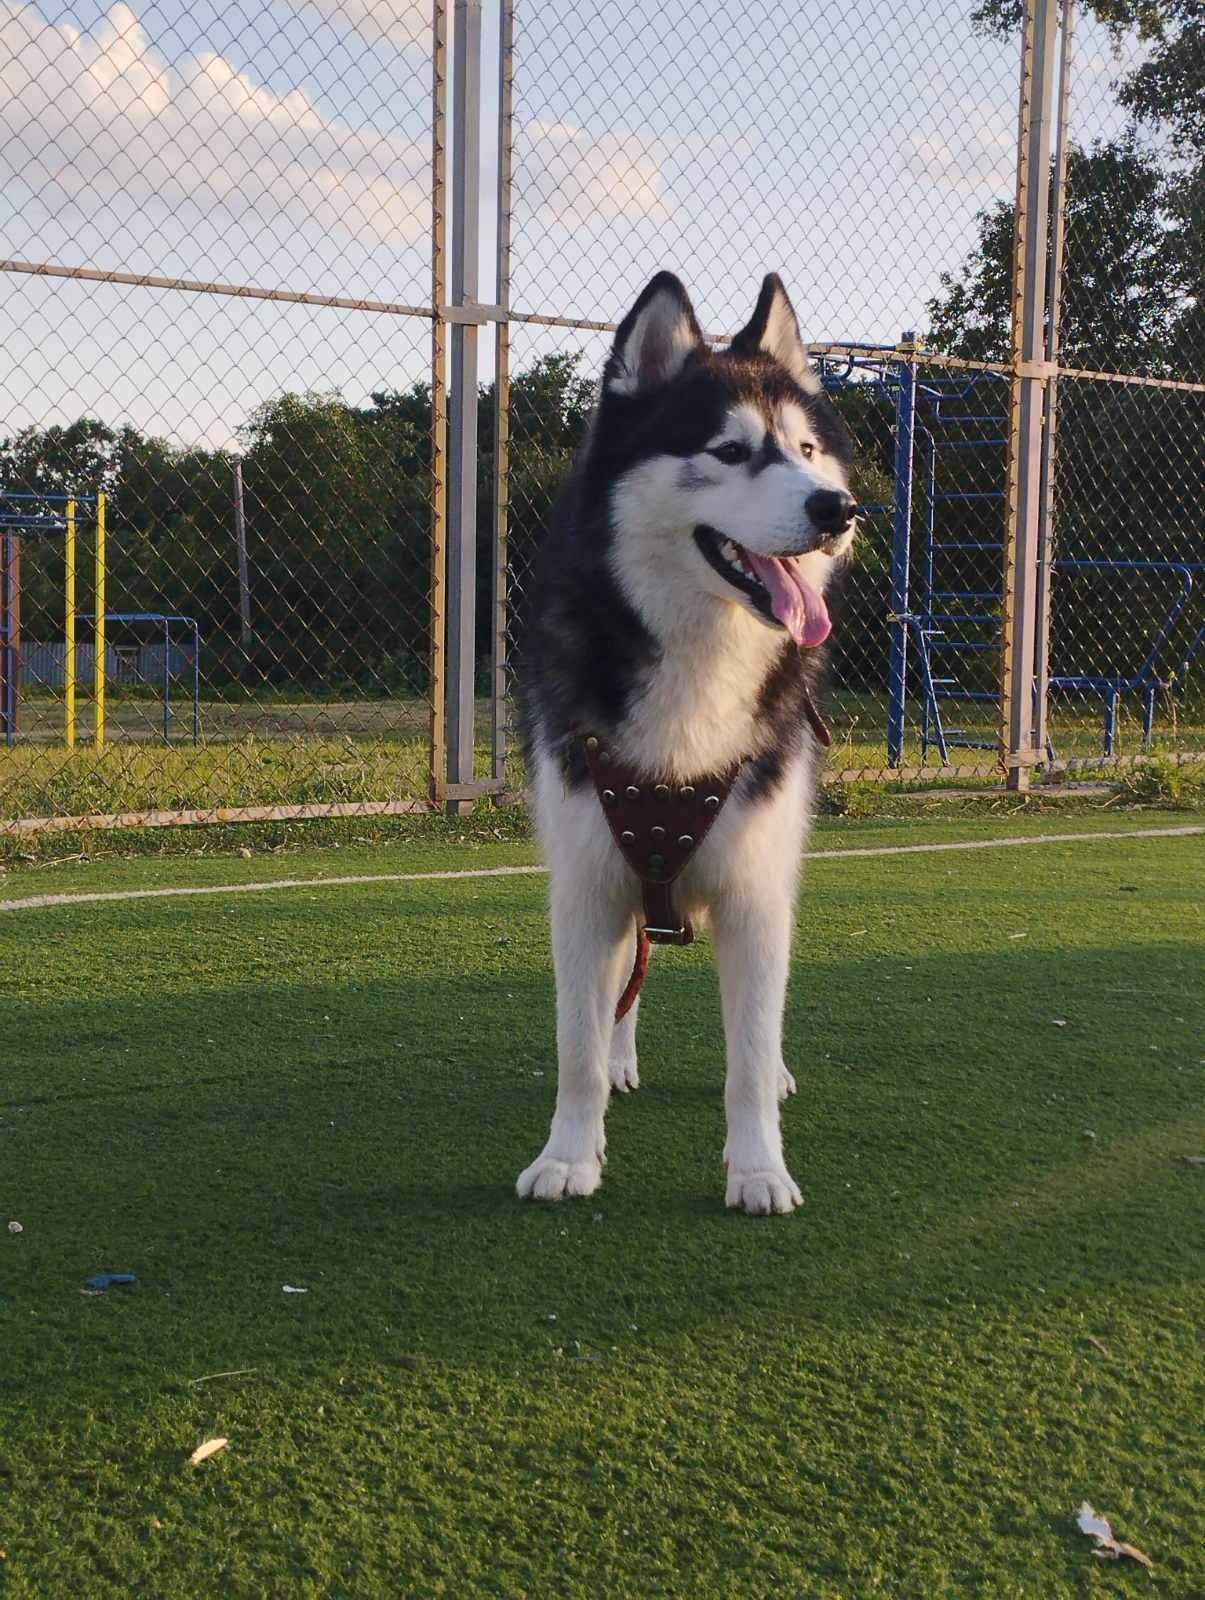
(362, 1143)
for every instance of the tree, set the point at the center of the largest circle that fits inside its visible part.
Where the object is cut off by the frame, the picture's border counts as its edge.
(1159, 174)
(1124, 291)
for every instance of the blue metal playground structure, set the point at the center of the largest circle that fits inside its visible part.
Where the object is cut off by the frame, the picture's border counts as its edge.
(24, 516)
(945, 597)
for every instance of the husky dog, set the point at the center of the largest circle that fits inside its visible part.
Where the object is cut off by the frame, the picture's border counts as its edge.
(680, 610)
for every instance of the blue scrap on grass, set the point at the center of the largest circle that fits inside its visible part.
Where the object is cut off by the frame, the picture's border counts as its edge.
(106, 1280)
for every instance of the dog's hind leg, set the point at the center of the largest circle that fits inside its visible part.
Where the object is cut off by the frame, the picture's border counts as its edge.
(752, 934)
(592, 949)
(622, 1067)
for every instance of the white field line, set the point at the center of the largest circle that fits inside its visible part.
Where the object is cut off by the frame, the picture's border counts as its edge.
(40, 902)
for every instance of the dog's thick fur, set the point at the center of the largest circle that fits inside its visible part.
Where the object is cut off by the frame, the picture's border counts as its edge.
(653, 631)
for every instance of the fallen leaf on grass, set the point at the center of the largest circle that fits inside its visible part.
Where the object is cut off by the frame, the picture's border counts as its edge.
(204, 1451)
(1103, 1348)
(1107, 1547)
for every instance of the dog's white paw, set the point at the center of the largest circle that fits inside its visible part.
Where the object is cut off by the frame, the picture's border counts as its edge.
(786, 1083)
(764, 1193)
(550, 1179)
(623, 1074)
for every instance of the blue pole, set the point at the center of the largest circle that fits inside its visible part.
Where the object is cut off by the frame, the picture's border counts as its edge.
(901, 540)
(7, 653)
(196, 683)
(167, 679)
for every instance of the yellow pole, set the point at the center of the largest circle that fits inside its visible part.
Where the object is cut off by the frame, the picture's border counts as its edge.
(69, 624)
(98, 666)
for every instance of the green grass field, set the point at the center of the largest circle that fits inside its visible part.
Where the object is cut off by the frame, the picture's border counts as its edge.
(988, 1309)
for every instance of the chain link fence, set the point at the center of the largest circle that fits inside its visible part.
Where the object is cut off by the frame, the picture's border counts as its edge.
(240, 302)
(223, 240)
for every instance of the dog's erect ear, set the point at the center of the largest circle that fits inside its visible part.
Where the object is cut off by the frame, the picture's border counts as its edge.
(655, 340)
(773, 330)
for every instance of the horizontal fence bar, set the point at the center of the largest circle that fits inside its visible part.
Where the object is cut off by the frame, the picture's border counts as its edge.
(492, 313)
(209, 816)
(238, 291)
(1121, 377)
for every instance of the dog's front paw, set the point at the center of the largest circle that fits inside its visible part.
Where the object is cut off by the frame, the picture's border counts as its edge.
(786, 1083)
(622, 1072)
(763, 1193)
(550, 1179)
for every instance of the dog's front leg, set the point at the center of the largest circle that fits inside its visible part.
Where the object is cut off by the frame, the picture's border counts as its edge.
(753, 944)
(591, 941)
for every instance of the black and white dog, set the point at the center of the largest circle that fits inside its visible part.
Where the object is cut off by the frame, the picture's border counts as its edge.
(681, 604)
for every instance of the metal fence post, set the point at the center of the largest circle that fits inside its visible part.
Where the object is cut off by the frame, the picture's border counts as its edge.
(462, 414)
(437, 751)
(901, 551)
(1018, 749)
(499, 599)
(1054, 287)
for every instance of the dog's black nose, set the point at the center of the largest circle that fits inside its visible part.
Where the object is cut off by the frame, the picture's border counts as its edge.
(831, 510)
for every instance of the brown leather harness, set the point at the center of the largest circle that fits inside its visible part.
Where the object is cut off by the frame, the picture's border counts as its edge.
(658, 825)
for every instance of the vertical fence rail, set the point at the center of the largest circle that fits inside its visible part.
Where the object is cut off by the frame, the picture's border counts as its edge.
(501, 497)
(437, 751)
(462, 408)
(1027, 400)
(1058, 235)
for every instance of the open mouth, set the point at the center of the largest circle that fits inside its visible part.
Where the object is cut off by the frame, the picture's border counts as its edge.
(773, 584)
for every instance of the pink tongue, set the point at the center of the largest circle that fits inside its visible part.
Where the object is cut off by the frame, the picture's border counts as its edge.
(799, 607)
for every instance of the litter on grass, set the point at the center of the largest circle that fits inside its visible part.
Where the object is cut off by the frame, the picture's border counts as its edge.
(204, 1451)
(208, 1377)
(290, 1288)
(16, 1227)
(1193, 1161)
(107, 1280)
(1107, 1547)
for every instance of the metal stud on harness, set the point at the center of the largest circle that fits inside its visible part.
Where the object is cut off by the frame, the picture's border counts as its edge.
(658, 825)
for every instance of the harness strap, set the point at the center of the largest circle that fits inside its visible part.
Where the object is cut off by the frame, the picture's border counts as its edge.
(824, 734)
(658, 826)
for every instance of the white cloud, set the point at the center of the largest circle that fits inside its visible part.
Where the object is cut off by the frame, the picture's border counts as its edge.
(567, 175)
(89, 117)
(975, 150)
(396, 22)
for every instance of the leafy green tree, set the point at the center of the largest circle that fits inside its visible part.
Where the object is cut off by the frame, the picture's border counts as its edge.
(1123, 293)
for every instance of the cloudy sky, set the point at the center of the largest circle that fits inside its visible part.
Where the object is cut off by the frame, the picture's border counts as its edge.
(288, 145)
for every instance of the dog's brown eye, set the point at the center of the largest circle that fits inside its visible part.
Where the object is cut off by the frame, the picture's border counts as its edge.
(807, 450)
(732, 453)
